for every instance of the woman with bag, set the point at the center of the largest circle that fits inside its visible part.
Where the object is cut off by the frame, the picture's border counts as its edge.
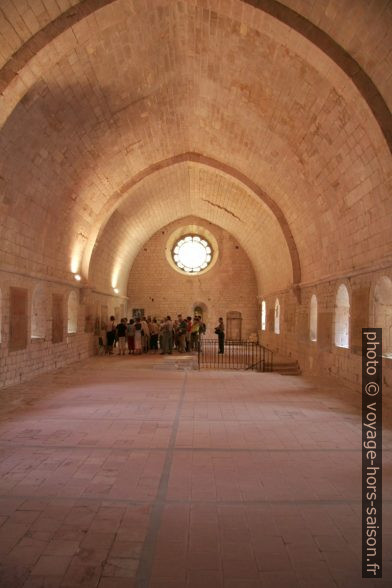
(220, 331)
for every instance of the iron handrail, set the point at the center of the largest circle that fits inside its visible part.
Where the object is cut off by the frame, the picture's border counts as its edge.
(246, 355)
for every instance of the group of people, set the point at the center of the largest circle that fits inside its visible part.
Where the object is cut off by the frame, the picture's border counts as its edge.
(141, 335)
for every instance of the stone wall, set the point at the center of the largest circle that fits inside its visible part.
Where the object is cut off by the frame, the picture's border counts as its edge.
(230, 285)
(34, 324)
(323, 356)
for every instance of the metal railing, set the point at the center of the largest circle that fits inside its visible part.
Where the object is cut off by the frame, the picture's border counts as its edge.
(238, 355)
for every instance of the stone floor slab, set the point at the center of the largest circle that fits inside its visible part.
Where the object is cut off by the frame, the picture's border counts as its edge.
(117, 473)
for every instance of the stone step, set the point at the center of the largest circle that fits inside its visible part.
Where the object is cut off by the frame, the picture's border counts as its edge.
(286, 368)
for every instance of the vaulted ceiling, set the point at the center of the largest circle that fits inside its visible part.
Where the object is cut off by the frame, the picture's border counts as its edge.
(268, 119)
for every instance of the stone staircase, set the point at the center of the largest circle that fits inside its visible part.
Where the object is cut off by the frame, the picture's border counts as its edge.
(285, 366)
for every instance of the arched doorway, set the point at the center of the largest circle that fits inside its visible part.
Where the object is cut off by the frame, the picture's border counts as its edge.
(200, 309)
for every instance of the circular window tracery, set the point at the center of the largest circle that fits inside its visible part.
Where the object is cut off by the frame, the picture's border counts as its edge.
(192, 254)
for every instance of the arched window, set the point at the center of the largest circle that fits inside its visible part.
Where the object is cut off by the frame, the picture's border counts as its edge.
(383, 312)
(342, 317)
(263, 315)
(313, 318)
(72, 312)
(277, 317)
(39, 307)
(192, 253)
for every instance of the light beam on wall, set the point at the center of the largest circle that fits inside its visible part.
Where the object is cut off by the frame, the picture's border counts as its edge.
(115, 275)
(75, 261)
(76, 257)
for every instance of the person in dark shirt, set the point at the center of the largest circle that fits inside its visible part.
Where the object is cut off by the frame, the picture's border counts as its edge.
(181, 333)
(220, 331)
(121, 333)
(110, 335)
(138, 336)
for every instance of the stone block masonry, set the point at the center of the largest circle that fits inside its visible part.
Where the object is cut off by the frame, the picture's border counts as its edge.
(36, 336)
(323, 356)
(230, 285)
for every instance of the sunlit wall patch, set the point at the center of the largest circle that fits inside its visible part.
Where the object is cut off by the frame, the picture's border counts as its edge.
(192, 254)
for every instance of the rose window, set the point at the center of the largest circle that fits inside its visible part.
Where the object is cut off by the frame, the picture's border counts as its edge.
(192, 254)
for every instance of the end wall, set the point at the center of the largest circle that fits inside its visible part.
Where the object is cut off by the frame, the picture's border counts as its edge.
(230, 285)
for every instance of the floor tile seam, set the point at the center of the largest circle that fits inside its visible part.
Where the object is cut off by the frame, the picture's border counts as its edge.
(93, 419)
(193, 397)
(186, 449)
(60, 498)
(310, 501)
(190, 502)
(258, 420)
(144, 570)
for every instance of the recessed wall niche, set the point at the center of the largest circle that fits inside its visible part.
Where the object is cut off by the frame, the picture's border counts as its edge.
(18, 319)
(57, 318)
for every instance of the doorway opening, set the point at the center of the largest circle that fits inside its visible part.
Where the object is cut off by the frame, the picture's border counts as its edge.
(233, 326)
(200, 309)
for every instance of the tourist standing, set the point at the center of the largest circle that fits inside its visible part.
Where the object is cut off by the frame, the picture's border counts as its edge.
(181, 333)
(146, 335)
(167, 336)
(220, 331)
(138, 336)
(188, 333)
(195, 334)
(122, 332)
(110, 335)
(154, 332)
(131, 336)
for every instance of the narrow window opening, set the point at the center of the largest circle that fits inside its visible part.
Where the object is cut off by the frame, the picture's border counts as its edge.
(342, 317)
(277, 317)
(72, 312)
(39, 306)
(313, 318)
(263, 315)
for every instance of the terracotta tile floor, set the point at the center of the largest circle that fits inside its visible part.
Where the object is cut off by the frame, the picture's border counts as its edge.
(137, 472)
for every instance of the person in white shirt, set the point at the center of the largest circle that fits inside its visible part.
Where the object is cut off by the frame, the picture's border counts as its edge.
(146, 335)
